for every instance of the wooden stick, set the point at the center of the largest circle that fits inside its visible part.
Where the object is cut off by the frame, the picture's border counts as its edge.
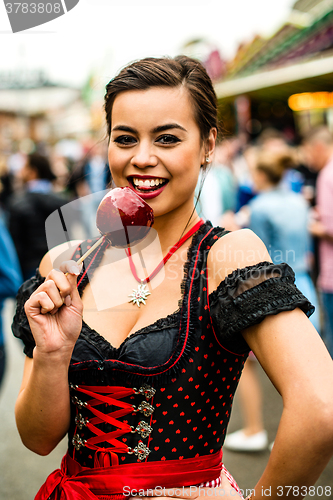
(91, 249)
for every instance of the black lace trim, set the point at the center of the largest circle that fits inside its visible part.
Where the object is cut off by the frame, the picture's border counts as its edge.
(233, 280)
(172, 320)
(20, 325)
(231, 315)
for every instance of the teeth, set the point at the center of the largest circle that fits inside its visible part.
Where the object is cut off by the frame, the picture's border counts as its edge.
(147, 182)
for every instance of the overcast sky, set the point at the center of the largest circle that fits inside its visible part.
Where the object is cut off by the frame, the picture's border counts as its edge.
(105, 34)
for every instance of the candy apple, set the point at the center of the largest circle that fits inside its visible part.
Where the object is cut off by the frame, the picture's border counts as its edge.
(136, 216)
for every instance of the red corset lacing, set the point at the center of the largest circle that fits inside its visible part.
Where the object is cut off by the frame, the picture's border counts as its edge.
(108, 479)
(111, 396)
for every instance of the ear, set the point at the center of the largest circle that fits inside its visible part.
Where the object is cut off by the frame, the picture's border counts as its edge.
(210, 146)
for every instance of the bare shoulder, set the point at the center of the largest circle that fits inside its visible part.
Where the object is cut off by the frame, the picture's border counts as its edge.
(54, 257)
(235, 250)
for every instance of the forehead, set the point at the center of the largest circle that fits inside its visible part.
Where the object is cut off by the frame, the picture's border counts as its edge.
(155, 106)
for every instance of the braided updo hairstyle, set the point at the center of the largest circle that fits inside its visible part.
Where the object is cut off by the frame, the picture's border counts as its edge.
(168, 72)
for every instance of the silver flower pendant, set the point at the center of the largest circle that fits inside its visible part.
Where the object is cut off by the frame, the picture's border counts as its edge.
(139, 295)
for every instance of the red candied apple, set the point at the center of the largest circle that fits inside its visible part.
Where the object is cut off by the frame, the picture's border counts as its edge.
(136, 216)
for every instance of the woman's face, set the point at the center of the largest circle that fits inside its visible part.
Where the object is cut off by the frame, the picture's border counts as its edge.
(156, 148)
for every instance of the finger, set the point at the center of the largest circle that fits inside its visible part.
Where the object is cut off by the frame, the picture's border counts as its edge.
(71, 267)
(61, 282)
(56, 280)
(75, 298)
(56, 295)
(71, 270)
(57, 288)
(40, 303)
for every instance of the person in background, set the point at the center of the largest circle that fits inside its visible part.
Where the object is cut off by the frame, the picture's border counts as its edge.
(92, 174)
(91, 177)
(318, 146)
(295, 178)
(29, 209)
(280, 218)
(10, 280)
(6, 186)
(15, 163)
(217, 188)
(286, 237)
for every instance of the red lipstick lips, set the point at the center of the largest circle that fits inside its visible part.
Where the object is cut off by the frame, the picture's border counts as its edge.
(147, 192)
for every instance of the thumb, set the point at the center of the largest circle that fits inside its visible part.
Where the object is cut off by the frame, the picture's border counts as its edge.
(74, 293)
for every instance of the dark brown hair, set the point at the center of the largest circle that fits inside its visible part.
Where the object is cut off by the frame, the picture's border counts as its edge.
(168, 72)
(42, 166)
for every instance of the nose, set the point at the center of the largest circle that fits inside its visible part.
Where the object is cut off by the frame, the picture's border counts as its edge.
(144, 156)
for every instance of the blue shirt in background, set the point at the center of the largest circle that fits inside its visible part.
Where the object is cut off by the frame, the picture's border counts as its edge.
(10, 273)
(280, 218)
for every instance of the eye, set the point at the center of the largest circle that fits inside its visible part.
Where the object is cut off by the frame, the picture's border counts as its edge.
(125, 140)
(168, 139)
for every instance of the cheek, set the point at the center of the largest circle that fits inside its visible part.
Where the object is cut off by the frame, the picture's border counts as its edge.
(115, 162)
(190, 160)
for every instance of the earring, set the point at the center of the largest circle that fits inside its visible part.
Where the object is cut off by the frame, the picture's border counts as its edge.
(207, 159)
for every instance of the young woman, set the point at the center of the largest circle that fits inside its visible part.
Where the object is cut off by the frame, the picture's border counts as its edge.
(145, 393)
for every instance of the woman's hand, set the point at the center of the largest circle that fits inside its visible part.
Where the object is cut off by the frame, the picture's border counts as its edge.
(54, 310)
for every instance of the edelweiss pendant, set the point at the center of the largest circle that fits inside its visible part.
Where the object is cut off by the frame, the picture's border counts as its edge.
(140, 295)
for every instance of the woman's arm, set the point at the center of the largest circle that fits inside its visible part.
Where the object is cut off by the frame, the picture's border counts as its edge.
(298, 364)
(295, 359)
(54, 312)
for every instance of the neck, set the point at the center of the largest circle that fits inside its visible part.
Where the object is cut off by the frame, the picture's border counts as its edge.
(171, 228)
(266, 186)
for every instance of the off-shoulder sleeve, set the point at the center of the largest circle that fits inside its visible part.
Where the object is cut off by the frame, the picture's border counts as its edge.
(250, 294)
(20, 325)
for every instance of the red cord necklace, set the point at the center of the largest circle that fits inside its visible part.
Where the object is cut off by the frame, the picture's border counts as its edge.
(139, 295)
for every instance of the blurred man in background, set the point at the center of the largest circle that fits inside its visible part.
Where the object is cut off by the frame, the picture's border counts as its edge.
(88, 181)
(318, 146)
(29, 209)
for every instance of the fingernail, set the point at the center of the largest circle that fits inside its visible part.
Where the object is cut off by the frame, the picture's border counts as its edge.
(74, 270)
(68, 300)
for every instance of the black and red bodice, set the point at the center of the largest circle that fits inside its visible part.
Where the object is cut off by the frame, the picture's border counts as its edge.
(166, 393)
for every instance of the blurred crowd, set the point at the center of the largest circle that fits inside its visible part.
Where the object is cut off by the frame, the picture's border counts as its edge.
(280, 190)
(47, 196)
(284, 193)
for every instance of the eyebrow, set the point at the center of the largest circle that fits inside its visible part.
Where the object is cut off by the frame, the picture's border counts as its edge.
(156, 130)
